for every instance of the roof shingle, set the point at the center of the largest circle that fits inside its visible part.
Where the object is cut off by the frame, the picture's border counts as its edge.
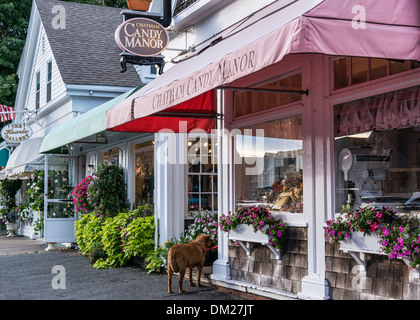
(85, 50)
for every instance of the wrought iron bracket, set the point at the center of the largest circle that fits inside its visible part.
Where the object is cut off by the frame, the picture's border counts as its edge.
(144, 61)
(247, 248)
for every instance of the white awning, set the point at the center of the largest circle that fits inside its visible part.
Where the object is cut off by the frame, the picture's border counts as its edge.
(25, 159)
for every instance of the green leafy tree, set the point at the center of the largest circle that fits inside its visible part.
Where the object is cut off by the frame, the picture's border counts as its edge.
(14, 19)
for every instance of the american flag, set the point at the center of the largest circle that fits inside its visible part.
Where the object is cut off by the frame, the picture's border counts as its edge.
(5, 113)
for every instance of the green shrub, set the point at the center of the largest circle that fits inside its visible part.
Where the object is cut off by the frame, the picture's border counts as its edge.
(111, 242)
(139, 237)
(111, 239)
(88, 234)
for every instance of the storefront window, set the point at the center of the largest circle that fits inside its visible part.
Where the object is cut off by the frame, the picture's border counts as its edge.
(144, 172)
(350, 71)
(112, 157)
(268, 165)
(247, 102)
(378, 152)
(202, 173)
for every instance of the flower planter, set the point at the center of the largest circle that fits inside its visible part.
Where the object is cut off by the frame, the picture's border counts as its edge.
(11, 228)
(359, 242)
(139, 5)
(244, 232)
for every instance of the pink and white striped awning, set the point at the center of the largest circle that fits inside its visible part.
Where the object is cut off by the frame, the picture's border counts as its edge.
(391, 30)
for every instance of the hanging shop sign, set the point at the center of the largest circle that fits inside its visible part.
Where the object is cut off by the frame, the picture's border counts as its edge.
(16, 133)
(142, 37)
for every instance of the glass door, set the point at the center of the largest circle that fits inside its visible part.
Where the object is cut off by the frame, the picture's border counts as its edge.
(59, 213)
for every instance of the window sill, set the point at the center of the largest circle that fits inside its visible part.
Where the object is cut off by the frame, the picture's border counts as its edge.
(292, 219)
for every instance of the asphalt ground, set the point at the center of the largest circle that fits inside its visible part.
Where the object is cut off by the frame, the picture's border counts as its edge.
(28, 272)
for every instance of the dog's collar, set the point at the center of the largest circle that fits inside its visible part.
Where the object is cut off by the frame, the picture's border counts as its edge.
(208, 249)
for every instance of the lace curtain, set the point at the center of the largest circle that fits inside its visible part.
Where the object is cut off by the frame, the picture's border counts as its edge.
(392, 110)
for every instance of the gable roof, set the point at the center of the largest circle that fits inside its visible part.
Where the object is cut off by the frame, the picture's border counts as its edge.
(85, 50)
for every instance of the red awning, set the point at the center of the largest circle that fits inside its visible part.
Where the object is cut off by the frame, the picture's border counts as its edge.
(196, 113)
(391, 31)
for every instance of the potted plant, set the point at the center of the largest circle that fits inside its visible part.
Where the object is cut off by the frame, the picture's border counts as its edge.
(139, 5)
(9, 219)
(107, 190)
(254, 224)
(23, 212)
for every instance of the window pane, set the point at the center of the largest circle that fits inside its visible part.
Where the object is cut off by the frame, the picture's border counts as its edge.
(359, 67)
(239, 104)
(193, 183)
(379, 167)
(284, 98)
(194, 202)
(201, 173)
(399, 66)
(49, 89)
(194, 155)
(268, 164)
(378, 68)
(260, 101)
(38, 82)
(341, 73)
(144, 172)
(112, 157)
(296, 84)
(253, 101)
(206, 183)
(49, 71)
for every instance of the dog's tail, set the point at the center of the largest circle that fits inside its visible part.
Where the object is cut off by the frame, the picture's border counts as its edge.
(171, 259)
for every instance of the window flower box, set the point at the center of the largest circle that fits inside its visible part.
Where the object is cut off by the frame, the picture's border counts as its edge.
(254, 224)
(370, 230)
(359, 242)
(245, 232)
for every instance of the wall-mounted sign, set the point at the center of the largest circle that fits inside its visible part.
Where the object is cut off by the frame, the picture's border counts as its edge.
(16, 133)
(142, 37)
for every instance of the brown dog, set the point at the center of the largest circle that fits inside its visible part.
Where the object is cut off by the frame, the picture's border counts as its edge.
(187, 255)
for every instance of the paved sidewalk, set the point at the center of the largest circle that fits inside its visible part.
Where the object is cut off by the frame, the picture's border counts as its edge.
(27, 274)
(16, 245)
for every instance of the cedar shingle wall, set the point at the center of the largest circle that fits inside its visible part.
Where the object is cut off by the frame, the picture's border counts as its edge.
(262, 269)
(385, 279)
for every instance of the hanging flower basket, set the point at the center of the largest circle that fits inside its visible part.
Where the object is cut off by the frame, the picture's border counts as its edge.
(139, 5)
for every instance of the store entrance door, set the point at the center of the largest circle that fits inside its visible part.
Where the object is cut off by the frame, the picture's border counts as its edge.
(59, 213)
